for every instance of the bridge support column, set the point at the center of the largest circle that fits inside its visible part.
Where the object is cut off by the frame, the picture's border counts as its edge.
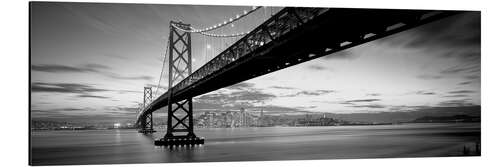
(180, 123)
(146, 124)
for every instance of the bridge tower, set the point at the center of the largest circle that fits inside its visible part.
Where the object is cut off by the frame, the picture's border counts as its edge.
(147, 120)
(181, 131)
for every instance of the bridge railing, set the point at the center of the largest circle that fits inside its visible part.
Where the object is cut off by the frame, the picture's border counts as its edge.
(273, 28)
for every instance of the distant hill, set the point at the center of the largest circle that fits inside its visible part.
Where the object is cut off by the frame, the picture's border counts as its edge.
(446, 119)
(408, 116)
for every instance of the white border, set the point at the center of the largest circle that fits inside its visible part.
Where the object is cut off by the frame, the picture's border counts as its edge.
(14, 81)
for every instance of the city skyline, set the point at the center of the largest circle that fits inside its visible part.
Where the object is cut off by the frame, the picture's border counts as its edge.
(91, 61)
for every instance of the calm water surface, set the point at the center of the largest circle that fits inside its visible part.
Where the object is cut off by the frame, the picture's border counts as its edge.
(251, 144)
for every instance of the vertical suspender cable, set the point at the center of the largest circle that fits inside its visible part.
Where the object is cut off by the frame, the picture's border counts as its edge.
(162, 68)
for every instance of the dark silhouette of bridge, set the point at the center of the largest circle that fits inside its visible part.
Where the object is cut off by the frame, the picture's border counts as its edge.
(292, 36)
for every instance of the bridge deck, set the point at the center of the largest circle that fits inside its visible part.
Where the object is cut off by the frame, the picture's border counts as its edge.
(293, 36)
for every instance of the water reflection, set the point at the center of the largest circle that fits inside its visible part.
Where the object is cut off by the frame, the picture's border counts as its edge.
(147, 136)
(247, 144)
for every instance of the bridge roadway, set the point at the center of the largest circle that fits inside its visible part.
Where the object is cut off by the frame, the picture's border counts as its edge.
(293, 36)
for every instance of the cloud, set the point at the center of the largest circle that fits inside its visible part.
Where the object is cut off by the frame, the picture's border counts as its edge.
(64, 88)
(142, 77)
(209, 105)
(356, 103)
(406, 108)
(96, 66)
(241, 86)
(456, 103)
(216, 98)
(352, 102)
(461, 69)
(57, 110)
(68, 109)
(327, 102)
(457, 37)
(249, 101)
(54, 68)
(238, 97)
(82, 90)
(129, 91)
(307, 107)
(273, 109)
(361, 100)
(93, 96)
(457, 95)
(462, 30)
(344, 54)
(124, 109)
(87, 68)
(73, 88)
(104, 22)
(252, 96)
(162, 87)
(59, 68)
(282, 87)
(316, 67)
(368, 106)
(423, 92)
(472, 57)
(267, 109)
(244, 95)
(456, 31)
(461, 92)
(373, 94)
(429, 77)
(472, 77)
(465, 83)
(310, 93)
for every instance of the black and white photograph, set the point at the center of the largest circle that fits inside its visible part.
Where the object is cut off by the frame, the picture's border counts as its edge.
(142, 83)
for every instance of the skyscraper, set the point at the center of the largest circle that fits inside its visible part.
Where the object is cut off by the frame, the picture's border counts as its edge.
(243, 117)
(261, 113)
(261, 118)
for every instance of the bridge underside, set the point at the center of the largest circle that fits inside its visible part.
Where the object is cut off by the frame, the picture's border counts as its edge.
(330, 31)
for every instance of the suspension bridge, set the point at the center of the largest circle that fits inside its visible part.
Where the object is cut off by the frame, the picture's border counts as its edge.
(288, 36)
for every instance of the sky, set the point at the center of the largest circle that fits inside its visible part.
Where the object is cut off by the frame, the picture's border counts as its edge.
(90, 62)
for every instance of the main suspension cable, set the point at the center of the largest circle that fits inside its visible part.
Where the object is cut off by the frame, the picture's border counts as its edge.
(224, 23)
(217, 26)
